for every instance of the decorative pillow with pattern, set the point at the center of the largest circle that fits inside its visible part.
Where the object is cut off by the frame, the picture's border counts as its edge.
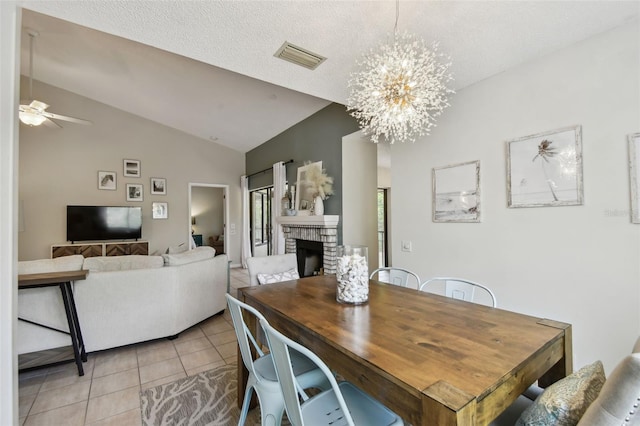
(564, 402)
(195, 255)
(291, 274)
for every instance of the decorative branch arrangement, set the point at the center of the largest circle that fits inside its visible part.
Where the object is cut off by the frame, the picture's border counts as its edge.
(318, 183)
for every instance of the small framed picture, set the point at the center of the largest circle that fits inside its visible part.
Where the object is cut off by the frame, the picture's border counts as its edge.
(134, 191)
(545, 169)
(158, 186)
(107, 180)
(131, 168)
(160, 210)
(456, 193)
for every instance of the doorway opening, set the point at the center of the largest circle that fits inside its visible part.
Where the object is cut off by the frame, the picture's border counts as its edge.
(208, 213)
(260, 216)
(383, 234)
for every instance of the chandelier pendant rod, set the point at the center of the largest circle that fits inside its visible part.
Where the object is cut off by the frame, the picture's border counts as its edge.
(31, 66)
(395, 27)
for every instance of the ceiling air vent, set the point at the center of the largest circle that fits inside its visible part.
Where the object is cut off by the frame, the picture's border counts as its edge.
(299, 56)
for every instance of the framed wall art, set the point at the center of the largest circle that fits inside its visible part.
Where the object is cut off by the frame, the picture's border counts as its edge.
(545, 169)
(107, 180)
(131, 168)
(304, 200)
(134, 192)
(456, 192)
(159, 210)
(158, 186)
(634, 176)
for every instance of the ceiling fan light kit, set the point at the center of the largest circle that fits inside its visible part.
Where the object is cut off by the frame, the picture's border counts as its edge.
(400, 90)
(35, 114)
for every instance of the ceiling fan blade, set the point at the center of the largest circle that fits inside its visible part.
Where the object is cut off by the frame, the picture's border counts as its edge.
(52, 124)
(66, 118)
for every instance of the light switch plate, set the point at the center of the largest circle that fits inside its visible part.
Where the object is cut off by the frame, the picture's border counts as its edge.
(406, 246)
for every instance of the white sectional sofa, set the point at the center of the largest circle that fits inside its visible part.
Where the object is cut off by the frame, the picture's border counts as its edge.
(125, 299)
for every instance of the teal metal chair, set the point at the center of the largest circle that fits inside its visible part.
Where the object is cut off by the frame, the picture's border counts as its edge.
(262, 375)
(342, 404)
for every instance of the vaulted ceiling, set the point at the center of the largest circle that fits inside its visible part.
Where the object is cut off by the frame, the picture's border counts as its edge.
(208, 67)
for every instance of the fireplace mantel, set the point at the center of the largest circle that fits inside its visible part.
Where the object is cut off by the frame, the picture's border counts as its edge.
(322, 221)
(323, 229)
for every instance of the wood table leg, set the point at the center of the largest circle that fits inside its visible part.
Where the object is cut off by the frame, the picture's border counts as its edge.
(443, 404)
(564, 367)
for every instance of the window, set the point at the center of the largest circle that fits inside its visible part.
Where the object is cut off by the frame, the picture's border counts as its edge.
(261, 217)
(383, 253)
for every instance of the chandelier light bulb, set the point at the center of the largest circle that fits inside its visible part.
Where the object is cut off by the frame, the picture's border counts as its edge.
(400, 90)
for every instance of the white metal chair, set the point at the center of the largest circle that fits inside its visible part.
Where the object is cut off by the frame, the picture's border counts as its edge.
(262, 375)
(270, 265)
(343, 404)
(396, 276)
(462, 289)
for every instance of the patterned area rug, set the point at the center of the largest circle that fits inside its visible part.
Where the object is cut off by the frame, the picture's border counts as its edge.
(208, 398)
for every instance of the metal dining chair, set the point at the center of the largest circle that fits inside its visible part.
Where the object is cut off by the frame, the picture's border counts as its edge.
(262, 375)
(342, 404)
(462, 289)
(395, 276)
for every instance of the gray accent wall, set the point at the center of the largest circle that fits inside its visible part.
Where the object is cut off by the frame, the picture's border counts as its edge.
(317, 138)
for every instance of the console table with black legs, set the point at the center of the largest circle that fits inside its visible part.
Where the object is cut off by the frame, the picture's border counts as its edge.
(63, 281)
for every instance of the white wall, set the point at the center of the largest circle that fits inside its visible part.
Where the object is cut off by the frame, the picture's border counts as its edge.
(9, 75)
(359, 194)
(577, 264)
(59, 167)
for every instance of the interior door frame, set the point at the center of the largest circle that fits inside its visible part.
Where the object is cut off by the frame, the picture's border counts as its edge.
(225, 209)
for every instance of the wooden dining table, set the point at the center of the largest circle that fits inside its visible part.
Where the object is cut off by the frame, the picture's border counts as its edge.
(431, 359)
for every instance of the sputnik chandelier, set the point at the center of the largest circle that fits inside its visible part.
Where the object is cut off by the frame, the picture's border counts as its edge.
(399, 90)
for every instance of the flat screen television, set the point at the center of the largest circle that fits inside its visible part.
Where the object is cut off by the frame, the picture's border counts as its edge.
(92, 223)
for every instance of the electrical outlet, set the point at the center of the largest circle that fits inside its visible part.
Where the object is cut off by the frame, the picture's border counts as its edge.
(406, 246)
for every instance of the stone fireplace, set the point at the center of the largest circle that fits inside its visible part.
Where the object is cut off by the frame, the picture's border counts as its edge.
(321, 229)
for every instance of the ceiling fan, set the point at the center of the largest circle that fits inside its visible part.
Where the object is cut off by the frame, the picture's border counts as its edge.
(34, 112)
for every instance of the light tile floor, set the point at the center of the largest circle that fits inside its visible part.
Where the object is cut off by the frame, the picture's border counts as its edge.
(109, 391)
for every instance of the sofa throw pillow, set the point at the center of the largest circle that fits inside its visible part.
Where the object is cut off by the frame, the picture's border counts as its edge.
(59, 264)
(122, 263)
(564, 402)
(195, 255)
(291, 274)
(619, 398)
(180, 248)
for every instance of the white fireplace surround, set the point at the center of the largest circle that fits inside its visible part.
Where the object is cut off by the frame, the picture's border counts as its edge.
(323, 229)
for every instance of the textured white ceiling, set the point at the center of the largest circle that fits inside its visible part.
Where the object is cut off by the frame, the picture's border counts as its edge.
(202, 86)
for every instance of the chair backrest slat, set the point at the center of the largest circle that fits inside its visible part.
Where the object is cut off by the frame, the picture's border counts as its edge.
(243, 334)
(395, 276)
(461, 289)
